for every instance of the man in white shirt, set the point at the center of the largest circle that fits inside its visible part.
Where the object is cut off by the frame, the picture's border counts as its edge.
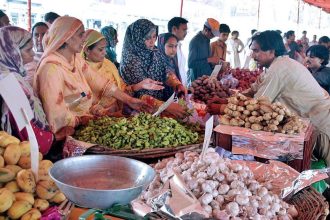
(178, 26)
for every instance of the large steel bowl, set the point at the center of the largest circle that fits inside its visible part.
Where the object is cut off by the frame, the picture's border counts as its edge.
(99, 181)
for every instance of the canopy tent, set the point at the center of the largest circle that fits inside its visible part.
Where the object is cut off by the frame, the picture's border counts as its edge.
(324, 4)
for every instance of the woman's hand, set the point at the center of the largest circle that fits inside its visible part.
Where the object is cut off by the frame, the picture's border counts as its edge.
(176, 110)
(181, 91)
(216, 105)
(83, 120)
(64, 132)
(148, 84)
(139, 105)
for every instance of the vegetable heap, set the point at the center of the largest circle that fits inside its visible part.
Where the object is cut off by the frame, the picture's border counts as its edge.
(139, 132)
(205, 88)
(260, 114)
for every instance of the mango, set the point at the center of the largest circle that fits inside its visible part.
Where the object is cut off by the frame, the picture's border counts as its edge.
(14, 168)
(58, 198)
(26, 181)
(33, 214)
(46, 189)
(23, 196)
(18, 209)
(25, 148)
(6, 199)
(12, 186)
(12, 154)
(24, 162)
(5, 140)
(2, 161)
(41, 204)
(6, 175)
(44, 167)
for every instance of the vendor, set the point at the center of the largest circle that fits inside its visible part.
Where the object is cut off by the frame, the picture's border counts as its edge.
(66, 85)
(287, 81)
(94, 51)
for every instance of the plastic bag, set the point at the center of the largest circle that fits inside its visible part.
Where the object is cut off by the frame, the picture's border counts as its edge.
(320, 186)
(229, 81)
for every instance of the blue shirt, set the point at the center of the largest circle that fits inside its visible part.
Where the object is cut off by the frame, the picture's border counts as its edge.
(199, 51)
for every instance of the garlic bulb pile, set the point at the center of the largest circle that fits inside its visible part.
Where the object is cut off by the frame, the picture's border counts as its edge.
(225, 189)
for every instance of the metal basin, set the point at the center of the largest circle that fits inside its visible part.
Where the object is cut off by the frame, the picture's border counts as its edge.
(99, 181)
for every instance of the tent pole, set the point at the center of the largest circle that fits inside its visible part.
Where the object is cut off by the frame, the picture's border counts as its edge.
(258, 14)
(29, 14)
(298, 14)
(320, 18)
(181, 8)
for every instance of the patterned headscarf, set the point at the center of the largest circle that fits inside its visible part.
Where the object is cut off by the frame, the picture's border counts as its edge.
(172, 62)
(110, 35)
(12, 39)
(59, 32)
(139, 62)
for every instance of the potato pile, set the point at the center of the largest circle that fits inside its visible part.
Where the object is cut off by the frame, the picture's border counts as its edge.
(260, 115)
(225, 189)
(21, 197)
(205, 88)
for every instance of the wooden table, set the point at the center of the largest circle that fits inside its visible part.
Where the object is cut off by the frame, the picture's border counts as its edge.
(225, 141)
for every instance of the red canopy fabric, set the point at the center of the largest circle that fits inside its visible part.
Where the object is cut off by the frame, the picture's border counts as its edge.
(324, 4)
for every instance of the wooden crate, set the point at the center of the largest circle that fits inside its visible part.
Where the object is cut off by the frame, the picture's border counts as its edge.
(225, 141)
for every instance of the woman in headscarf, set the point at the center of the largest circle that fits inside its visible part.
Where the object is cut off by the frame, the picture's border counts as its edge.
(111, 36)
(141, 60)
(16, 50)
(167, 45)
(67, 86)
(94, 53)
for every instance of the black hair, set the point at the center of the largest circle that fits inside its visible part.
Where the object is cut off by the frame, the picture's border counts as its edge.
(63, 45)
(270, 40)
(253, 31)
(288, 34)
(304, 32)
(175, 22)
(279, 31)
(51, 16)
(38, 24)
(168, 35)
(224, 28)
(324, 39)
(234, 32)
(319, 51)
(2, 14)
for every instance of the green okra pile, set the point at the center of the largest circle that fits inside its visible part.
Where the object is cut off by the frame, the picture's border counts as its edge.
(139, 132)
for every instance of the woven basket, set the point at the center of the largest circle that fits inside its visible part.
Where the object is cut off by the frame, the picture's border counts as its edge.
(146, 153)
(310, 204)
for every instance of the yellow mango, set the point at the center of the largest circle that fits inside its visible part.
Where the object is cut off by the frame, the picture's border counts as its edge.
(33, 214)
(41, 204)
(46, 189)
(44, 167)
(12, 154)
(2, 161)
(18, 209)
(25, 148)
(26, 181)
(23, 196)
(5, 140)
(6, 175)
(12, 186)
(24, 162)
(40, 156)
(14, 168)
(6, 199)
(2, 151)
(58, 198)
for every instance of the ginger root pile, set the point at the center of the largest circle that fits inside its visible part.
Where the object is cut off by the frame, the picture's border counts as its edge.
(260, 115)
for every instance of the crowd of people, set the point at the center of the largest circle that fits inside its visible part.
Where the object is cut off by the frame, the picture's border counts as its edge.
(71, 75)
